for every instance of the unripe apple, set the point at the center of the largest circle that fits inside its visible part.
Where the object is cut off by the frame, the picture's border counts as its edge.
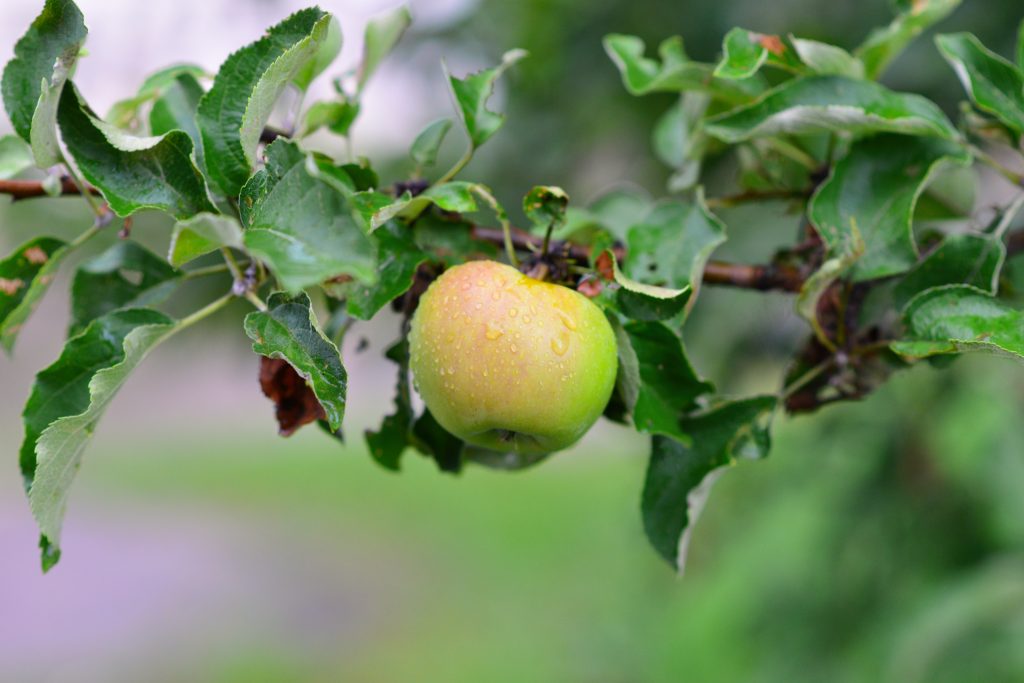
(508, 362)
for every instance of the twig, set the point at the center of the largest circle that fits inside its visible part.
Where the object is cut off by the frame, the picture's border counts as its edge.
(28, 189)
(744, 276)
(755, 196)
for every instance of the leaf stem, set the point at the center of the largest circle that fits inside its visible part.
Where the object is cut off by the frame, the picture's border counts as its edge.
(206, 311)
(459, 165)
(506, 227)
(989, 160)
(208, 270)
(791, 151)
(232, 264)
(84, 190)
(255, 300)
(806, 378)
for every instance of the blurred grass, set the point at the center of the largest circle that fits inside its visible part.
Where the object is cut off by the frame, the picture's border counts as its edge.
(820, 563)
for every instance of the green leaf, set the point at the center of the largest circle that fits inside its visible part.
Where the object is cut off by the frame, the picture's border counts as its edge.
(644, 302)
(175, 109)
(133, 173)
(288, 330)
(25, 276)
(125, 113)
(960, 319)
(826, 59)
(432, 439)
(15, 156)
(1020, 46)
(33, 80)
(671, 245)
(455, 196)
(994, 84)
(545, 205)
(450, 241)
(325, 55)
(398, 258)
(428, 142)
(831, 103)
(885, 44)
(233, 113)
(656, 381)
(304, 228)
(961, 258)
(876, 187)
(67, 401)
(675, 72)
(125, 275)
(471, 94)
(201, 234)
(745, 52)
(379, 39)
(392, 438)
(679, 141)
(680, 474)
(337, 117)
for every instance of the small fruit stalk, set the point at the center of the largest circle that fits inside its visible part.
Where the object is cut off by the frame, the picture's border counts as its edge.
(511, 363)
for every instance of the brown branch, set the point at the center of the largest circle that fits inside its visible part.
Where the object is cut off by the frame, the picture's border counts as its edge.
(744, 276)
(27, 189)
(756, 196)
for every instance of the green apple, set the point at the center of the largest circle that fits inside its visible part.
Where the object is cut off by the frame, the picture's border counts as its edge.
(508, 362)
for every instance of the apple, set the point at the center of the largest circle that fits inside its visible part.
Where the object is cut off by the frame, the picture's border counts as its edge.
(508, 362)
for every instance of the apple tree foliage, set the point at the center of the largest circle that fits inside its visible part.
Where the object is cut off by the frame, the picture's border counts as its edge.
(892, 266)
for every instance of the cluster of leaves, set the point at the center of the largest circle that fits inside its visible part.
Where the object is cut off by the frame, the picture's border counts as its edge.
(893, 268)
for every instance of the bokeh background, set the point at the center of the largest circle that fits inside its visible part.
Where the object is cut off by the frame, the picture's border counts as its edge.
(881, 541)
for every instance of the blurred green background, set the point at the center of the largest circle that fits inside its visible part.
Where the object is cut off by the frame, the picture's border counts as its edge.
(882, 541)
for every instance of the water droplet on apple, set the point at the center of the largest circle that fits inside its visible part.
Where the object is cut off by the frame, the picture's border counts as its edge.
(512, 312)
(526, 319)
(493, 332)
(560, 344)
(513, 348)
(567, 320)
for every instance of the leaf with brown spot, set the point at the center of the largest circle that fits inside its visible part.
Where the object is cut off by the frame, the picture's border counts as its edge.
(295, 404)
(24, 277)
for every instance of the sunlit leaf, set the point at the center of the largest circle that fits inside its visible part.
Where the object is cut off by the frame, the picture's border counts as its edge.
(471, 95)
(831, 103)
(994, 84)
(826, 59)
(328, 50)
(671, 244)
(885, 44)
(960, 319)
(398, 257)
(305, 229)
(679, 141)
(175, 109)
(25, 276)
(133, 173)
(656, 380)
(67, 401)
(960, 259)
(126, 113)
(15, 156)
(681, 472)
(428, 142)
(745, 52)
(233, 113)
(875, 188)
(675, 72)
(33, 80)
(201, 234)
(125, 275)
(379, 39)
